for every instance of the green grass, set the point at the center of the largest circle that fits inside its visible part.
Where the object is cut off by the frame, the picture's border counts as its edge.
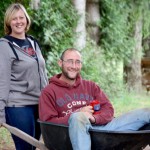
(129, 102)
(6, 142)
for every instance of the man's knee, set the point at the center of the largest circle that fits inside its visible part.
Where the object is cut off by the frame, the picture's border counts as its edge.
(144, 110)
(78, 117)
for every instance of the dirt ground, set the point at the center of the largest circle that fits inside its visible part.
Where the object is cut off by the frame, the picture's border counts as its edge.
(11, 147)
(5, 146)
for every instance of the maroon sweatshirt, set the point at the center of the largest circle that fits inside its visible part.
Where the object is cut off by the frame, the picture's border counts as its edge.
(59, 100)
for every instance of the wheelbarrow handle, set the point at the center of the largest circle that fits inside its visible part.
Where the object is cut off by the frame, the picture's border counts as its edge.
(25, 136)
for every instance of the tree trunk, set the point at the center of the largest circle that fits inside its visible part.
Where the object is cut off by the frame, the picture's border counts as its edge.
(80, 30)
(93, 16)
(133, 70)
(35, 4)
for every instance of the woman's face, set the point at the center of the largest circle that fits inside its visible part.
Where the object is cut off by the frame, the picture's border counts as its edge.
(18, 24)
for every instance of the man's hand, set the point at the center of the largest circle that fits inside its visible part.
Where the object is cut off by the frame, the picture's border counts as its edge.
(90, 117)
(88, 111)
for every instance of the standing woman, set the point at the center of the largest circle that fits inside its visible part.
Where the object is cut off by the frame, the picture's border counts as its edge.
(22, 75)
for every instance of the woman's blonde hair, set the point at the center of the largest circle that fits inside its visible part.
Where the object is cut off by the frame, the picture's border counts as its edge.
(11, 10)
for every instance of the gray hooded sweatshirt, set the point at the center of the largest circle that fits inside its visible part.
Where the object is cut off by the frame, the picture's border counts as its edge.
(22, 77)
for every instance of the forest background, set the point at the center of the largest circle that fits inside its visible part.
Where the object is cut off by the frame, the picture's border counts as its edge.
(112, 35)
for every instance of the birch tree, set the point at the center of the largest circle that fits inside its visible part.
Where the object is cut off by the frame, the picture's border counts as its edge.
(80, 40)
(35, 4)
(93, 17)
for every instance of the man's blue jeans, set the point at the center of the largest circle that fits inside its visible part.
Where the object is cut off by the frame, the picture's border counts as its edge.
(25, 119)
(79, 126)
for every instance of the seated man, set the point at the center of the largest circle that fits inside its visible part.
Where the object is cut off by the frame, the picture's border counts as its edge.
(67, 98)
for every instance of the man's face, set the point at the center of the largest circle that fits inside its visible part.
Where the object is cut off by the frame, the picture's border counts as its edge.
(71, 65)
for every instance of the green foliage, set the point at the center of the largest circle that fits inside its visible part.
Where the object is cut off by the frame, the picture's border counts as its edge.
(114, 30)
(3, 5)
(106, 73)
(53, 26)
(104, 64)
(140, 9)
(117, 24)
(91, 60)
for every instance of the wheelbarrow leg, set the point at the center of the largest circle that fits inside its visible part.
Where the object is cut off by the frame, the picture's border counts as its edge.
(25, 137)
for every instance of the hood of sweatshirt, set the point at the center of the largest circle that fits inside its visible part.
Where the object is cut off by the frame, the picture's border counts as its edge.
(55, 80)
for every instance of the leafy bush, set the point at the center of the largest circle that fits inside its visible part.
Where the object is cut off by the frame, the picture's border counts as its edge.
(115, 39)
(53, 26)
(106, 73)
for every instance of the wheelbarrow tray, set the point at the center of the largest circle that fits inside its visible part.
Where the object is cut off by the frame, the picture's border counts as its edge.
(56, 137)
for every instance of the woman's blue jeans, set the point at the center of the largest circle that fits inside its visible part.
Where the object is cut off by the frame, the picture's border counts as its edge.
(25, 119)
(79, 126)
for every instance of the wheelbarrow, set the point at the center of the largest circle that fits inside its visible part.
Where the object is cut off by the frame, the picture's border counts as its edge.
(56, 137)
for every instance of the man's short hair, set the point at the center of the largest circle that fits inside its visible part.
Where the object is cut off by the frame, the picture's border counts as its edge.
(68, 49)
